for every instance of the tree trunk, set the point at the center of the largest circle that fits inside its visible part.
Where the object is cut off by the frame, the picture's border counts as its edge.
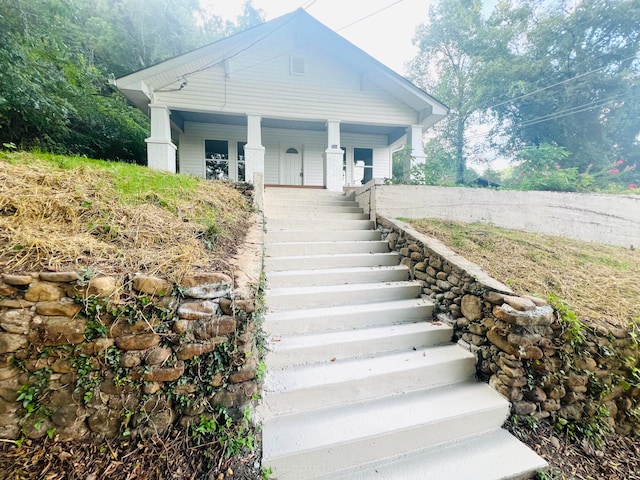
(460, 160)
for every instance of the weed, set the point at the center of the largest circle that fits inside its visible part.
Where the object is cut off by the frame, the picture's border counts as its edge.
(569, 320)
(32, 393)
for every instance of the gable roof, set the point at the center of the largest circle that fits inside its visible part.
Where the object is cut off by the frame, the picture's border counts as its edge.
(139, 86)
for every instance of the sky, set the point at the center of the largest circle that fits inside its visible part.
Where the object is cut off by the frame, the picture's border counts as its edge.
(386, 36)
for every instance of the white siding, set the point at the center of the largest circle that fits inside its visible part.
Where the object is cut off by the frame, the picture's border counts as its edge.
(191, 154)
(382, 164)
(271, 165)
(259, 81)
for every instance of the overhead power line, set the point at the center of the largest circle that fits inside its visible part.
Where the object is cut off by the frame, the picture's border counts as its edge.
(524, 95)
(570, 111)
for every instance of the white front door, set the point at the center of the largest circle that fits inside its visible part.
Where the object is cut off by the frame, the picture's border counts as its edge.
(291, 166)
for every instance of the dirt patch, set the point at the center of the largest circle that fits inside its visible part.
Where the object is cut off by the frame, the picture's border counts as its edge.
(600, 282)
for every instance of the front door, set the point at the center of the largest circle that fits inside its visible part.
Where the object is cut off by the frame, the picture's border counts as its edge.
(291, 167)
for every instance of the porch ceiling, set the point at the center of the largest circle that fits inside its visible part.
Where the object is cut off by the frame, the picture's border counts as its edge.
(393, 132)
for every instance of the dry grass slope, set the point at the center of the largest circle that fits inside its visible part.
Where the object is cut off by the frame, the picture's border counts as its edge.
(600, 282)
(60, 213)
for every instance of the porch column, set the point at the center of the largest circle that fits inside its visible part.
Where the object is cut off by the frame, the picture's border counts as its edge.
(414, 140)
(253, 150)
(333, 158)
(161, 152)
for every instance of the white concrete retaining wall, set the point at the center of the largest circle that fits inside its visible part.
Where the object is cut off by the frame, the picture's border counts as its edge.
(609, 219)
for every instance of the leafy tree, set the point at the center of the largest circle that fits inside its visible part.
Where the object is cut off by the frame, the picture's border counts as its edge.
(576, 84)
(55, 56)
(459, 51)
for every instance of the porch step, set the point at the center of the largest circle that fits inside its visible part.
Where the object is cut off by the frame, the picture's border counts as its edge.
(323, 442)
(337, 276)
(298, 298)
(347, 316)
(307, 224)
(282, 249)
(288, 350)
(492, 456)
(321, 236)
(275, 264)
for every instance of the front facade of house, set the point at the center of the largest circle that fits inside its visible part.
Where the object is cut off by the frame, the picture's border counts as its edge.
(289, 99)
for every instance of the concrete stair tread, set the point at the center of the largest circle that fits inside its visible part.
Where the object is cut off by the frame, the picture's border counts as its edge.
(369, 421)
(288, 350)
(347, 316)
(293, 225)
(299, 298)
(321, 235)
(494, 455)
(352, 369)
(275, 249)
(316, 289)
(286, 342)
(330, 260)
(336, 276)
(315, 215)
(324, 242)
(311, 209)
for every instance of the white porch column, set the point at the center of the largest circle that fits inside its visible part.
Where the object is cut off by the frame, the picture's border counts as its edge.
(253, 150)
(161, 152)
(414, 140)
(333, 158)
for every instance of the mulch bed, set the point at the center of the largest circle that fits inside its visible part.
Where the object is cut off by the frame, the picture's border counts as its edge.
(172, 456)
(619, 459)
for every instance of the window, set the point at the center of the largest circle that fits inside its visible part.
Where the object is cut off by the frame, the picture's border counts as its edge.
(364, 155)
(241, 162)
(292, 150)
(216, 154)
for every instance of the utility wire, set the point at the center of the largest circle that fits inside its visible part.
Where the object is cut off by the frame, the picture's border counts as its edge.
(316, 40)
(556, 84)
(219, 61)
(578, 109)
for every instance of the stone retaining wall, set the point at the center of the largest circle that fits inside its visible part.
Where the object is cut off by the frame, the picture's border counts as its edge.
(540, 358)
(84, 357)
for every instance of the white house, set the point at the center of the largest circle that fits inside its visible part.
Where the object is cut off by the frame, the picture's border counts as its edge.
(289, 98)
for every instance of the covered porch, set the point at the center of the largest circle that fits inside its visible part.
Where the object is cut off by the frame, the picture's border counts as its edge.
(305, 152)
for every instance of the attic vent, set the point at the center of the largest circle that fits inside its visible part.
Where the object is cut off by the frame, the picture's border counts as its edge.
(297, 66)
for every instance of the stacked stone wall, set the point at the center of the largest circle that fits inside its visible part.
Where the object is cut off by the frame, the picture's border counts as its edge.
(542, 359)
(96, 357)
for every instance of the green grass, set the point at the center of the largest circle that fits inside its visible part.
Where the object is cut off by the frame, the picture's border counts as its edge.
(133, 183)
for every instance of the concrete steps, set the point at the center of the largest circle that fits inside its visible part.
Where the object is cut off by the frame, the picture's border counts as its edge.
(490, 456)
(275, 264)
(320, 235)
(310, 444)
(299, 298)
(288, 350)
(337, 276)
(347, 317)
(351, 380)
(361, 382)
(283, 249)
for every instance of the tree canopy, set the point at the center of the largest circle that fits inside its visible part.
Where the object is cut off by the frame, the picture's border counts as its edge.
(557, 82)
(56, 57)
